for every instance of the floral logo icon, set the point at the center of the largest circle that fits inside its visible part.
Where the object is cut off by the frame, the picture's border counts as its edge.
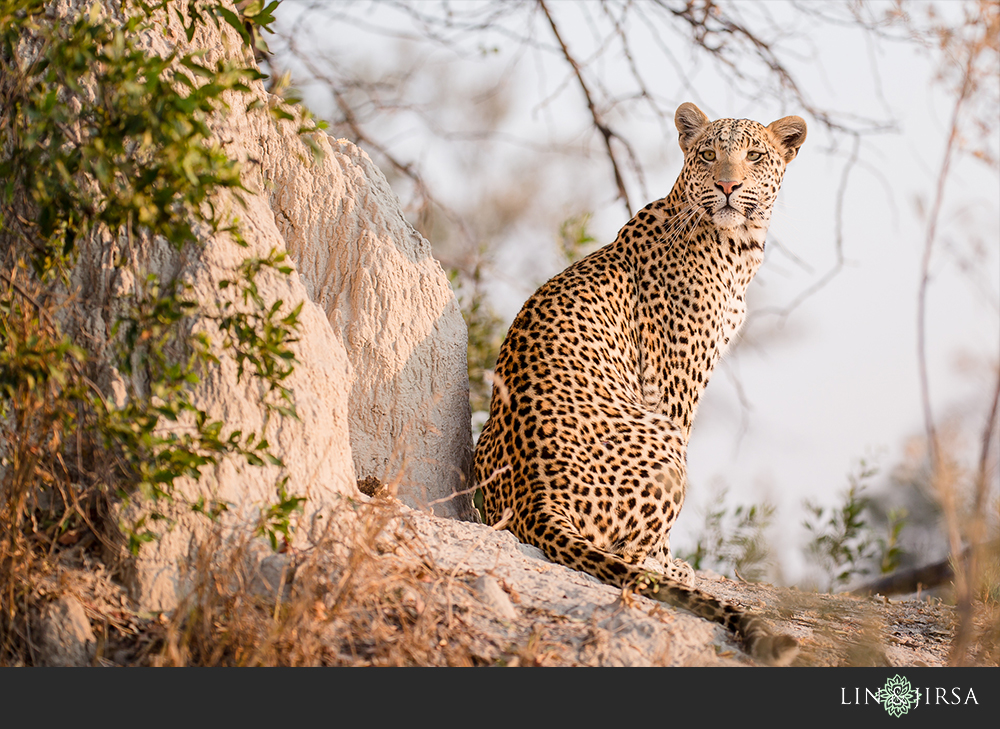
(897, 696)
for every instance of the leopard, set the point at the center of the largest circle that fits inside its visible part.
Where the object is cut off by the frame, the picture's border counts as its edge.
(599, 377)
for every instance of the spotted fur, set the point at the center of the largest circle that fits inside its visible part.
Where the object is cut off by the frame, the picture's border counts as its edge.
(598, 380)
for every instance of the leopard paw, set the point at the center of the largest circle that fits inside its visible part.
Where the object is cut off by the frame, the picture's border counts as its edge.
(680, 571)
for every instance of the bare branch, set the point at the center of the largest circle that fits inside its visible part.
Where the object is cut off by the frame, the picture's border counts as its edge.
(595, 115)
(838, 265)
(925, 262)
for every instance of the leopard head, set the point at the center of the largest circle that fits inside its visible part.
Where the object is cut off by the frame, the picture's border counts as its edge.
(733, 167)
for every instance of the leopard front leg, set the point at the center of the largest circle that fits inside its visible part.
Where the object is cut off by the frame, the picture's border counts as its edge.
(675, 568)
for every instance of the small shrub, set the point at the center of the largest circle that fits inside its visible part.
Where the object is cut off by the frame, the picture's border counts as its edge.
(733, 539)
(844, 544)
(105, 146)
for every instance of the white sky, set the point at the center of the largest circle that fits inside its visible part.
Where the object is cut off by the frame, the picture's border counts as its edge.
(841, 384)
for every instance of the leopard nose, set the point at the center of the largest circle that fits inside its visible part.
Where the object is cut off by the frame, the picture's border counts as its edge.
(727, 186)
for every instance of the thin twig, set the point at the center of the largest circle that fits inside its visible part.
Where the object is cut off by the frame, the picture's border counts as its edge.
(925, 263)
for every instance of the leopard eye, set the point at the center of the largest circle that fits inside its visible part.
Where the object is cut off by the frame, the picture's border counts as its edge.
(708, 155)
(754, 156)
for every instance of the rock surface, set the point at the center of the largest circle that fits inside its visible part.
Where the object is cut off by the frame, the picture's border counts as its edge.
(581, 621)
(66, 637)
(417, 589)
(390, 302)
(381, 385)
(316, 447)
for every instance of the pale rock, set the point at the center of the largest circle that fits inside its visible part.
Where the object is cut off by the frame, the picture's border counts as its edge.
(66, 637)
(315, 447)
(490, 592)
(390, 301)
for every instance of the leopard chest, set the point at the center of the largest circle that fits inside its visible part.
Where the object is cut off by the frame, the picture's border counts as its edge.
(691, 305)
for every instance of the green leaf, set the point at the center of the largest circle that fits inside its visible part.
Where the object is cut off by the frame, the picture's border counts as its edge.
(233, 20)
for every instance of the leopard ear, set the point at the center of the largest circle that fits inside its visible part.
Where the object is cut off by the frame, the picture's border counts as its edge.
(790, 133)
(690, 120)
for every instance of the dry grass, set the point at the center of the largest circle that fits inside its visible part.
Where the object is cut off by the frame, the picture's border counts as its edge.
(343, 602)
